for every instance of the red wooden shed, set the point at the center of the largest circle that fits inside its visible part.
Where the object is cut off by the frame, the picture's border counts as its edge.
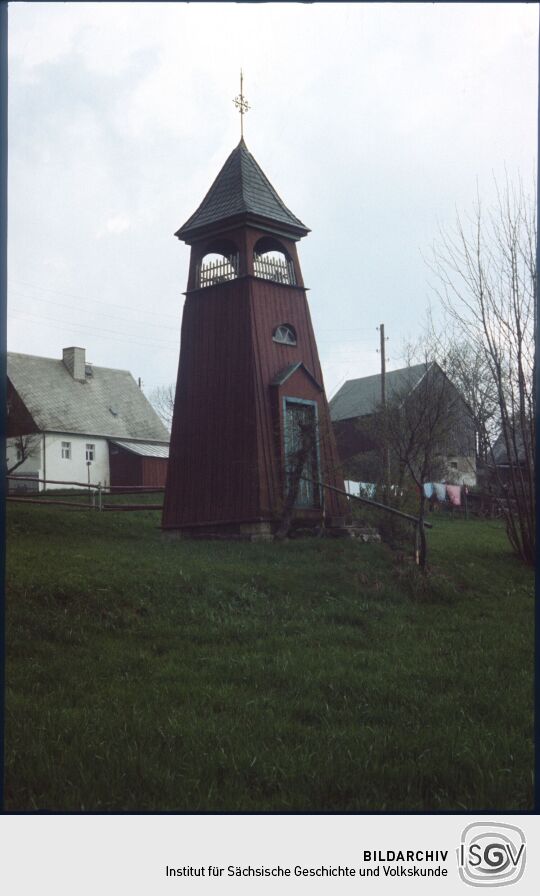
(249, 376)
(138, 463)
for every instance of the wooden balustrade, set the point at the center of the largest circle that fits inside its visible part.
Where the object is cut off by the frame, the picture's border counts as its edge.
(276, 269)
(211, 272)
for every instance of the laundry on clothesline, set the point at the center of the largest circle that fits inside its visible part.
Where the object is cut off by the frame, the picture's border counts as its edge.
(360, 489)
(367, 489)
(454, 494)
(440, 491)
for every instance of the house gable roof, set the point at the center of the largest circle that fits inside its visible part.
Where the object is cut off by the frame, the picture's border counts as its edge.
(240, 189)
(109, 403)
(517, 449)
(360, 397)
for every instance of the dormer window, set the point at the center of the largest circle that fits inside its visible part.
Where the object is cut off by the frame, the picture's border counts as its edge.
(285, 334)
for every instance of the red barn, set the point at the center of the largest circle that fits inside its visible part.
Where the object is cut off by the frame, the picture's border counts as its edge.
(249, 375)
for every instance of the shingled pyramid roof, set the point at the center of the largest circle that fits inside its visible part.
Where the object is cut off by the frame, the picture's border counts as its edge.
(241, 189)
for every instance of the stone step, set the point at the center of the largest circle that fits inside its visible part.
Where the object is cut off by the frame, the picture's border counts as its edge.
(367, 535)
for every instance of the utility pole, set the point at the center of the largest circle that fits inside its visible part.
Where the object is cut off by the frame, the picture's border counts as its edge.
(383, 367)
(386, 450)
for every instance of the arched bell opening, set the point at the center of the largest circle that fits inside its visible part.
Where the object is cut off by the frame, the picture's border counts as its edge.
(219, 263)
(272, 262)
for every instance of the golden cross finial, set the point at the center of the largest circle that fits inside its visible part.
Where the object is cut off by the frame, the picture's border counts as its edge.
(241, 104)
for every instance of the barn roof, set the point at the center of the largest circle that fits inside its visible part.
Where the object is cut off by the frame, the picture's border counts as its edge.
(517, 448)
(360, 397)
(241, 189)
(108, 403)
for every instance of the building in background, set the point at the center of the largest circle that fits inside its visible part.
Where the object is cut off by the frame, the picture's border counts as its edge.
(79, 423)
(352, 409)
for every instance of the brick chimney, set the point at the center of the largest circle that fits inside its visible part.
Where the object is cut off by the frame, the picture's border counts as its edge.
(75, 360)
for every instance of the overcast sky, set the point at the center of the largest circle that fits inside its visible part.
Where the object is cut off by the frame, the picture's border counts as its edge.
(373, 122)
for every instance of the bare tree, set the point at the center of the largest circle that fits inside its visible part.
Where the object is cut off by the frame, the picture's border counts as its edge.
(421, 426)
(19, 428)
(162, 399)
(308, 469)
(25, 447)
(298, 471)
(465, 365)
(486, 280)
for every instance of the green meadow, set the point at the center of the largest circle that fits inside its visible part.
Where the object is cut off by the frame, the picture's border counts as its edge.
(148, 673)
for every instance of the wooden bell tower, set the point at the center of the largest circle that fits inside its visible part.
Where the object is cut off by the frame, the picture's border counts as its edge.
(249, 378)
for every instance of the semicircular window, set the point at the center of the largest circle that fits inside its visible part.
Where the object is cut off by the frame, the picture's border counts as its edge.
(285, 334)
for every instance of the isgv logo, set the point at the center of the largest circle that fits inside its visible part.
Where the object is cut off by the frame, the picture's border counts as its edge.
(491, 854)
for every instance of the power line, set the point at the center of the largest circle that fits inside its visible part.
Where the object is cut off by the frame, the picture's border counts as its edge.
(90, 311)
(82, 298)
(335, 389)
(131, 338)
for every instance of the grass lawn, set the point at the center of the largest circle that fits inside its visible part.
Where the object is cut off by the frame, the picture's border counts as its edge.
(154, 674)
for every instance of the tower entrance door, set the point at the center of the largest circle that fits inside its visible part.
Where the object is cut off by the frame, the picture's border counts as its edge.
(302, 451)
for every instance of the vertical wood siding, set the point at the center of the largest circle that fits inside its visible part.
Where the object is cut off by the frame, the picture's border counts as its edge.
(212, 474)
(133, 469)
(154, 472)
(226, 460)
(125, 467)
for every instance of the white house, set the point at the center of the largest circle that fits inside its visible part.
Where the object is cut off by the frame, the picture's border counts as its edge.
(83, 423)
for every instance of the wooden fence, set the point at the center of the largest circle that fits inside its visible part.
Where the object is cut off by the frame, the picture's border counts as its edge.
(95, 493)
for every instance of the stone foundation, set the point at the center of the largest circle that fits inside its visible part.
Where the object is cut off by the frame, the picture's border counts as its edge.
(264, 531)
(256, 531)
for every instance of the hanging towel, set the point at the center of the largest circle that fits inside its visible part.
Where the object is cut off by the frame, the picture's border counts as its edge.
(454, 494)
(440, 491)
(367, 489)
(428, 489)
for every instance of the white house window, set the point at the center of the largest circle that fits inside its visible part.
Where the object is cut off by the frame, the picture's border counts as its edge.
(66, 450)
(90, 451)
(285, 334)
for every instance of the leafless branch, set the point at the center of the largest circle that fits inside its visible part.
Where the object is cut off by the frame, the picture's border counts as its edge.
(486, 282)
